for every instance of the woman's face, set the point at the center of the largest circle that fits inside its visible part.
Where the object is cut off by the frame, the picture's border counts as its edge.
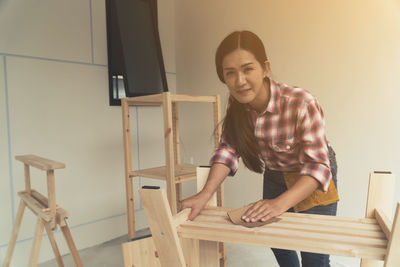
(244, 77)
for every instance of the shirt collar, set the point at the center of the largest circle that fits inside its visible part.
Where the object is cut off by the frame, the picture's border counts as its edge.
(274, 100)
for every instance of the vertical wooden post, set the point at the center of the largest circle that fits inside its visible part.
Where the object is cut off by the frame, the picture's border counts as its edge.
(14, 234)
(163, 230)
(393, 256)
(128, 168)
(27, 179)
(169, 151)
(380, 195)
(209, 255)
(37, 240)
(177, 152)
(220, 191)
(51, 192)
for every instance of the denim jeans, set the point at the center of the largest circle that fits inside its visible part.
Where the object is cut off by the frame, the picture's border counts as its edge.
(274, 185)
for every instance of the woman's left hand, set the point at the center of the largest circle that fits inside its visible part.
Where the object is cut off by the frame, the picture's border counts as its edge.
(263, 210)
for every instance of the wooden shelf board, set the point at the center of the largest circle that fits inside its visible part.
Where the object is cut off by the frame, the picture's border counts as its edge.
(183, 172)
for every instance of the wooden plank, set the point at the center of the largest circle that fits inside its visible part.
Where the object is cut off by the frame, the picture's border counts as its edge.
(380, 196)
(182, 172)
(169, 151)
(141, 252)
(393, 256)
(283, 242)
(72, 248)
(37, 240)
(180, 217)
(192, 98)
(164, 234)
(305, 227)
(328, 236)
(40, 163)
(132, 101)
(35, 206)
(209, 255)
(128, 168)
(27, 178)
(54, 244)
(14, 233)
(191, 252)
(51, 192)
(384, 222)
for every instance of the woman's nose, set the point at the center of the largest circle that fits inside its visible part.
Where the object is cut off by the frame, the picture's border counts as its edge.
(241, 79)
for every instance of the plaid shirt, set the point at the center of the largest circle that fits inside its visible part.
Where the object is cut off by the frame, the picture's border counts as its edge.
(291, 135)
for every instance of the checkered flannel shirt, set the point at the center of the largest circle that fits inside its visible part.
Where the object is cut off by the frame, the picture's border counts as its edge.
(291, 135)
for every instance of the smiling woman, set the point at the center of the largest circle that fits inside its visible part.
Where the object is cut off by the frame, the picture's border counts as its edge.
(276, 129)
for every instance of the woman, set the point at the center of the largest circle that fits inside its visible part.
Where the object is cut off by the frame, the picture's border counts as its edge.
(276, 129)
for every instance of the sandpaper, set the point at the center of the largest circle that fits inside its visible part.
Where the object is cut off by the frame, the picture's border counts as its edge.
(236, 217)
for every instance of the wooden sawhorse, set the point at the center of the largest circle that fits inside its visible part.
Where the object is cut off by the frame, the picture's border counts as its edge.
(49, 215)
(193, 243)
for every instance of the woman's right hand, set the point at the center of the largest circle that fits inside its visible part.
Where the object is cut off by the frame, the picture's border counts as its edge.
(196, 203)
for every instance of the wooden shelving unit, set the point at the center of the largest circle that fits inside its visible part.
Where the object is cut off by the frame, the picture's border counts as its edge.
(173, 172)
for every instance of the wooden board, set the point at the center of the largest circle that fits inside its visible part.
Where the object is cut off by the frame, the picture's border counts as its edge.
(306, 232)
(40, 163)
(141, 252)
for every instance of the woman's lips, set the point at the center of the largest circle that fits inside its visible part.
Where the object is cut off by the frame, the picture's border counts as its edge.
(244, 92)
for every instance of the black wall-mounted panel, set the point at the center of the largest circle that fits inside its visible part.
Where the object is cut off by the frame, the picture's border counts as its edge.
(135, 62)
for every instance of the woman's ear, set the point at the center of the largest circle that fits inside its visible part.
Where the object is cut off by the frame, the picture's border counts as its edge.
(267, 68)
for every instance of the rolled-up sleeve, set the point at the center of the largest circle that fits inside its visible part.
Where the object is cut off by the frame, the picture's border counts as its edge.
(314, 154)
(226, 155)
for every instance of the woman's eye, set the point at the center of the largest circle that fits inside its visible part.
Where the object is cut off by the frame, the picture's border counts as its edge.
(229, 73)
(248, 69)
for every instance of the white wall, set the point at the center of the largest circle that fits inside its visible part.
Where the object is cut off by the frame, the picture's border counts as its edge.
(54, 103)
(347, 53)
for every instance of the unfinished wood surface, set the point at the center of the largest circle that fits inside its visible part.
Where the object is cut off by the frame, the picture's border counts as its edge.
(384, 222)
(35, 206)
(40, 163)
(51, 192)
(71, 245)
(163, 230)
(141, 252)
(319, 234)
(149, 99)
(54, 244)
(27, 178)
(191, 254)
(61, 214)
(177, 152)
(380, 196)
(128, 168)
(14, 234)
(37, 240)
(192, 98)
(169, 151)
(393, 255)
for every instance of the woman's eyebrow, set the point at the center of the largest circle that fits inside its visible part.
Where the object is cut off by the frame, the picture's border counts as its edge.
(242, 66)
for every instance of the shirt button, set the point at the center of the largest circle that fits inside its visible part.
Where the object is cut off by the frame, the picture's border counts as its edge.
(287, 147)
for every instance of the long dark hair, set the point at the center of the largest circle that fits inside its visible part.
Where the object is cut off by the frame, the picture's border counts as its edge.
(237, 127)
